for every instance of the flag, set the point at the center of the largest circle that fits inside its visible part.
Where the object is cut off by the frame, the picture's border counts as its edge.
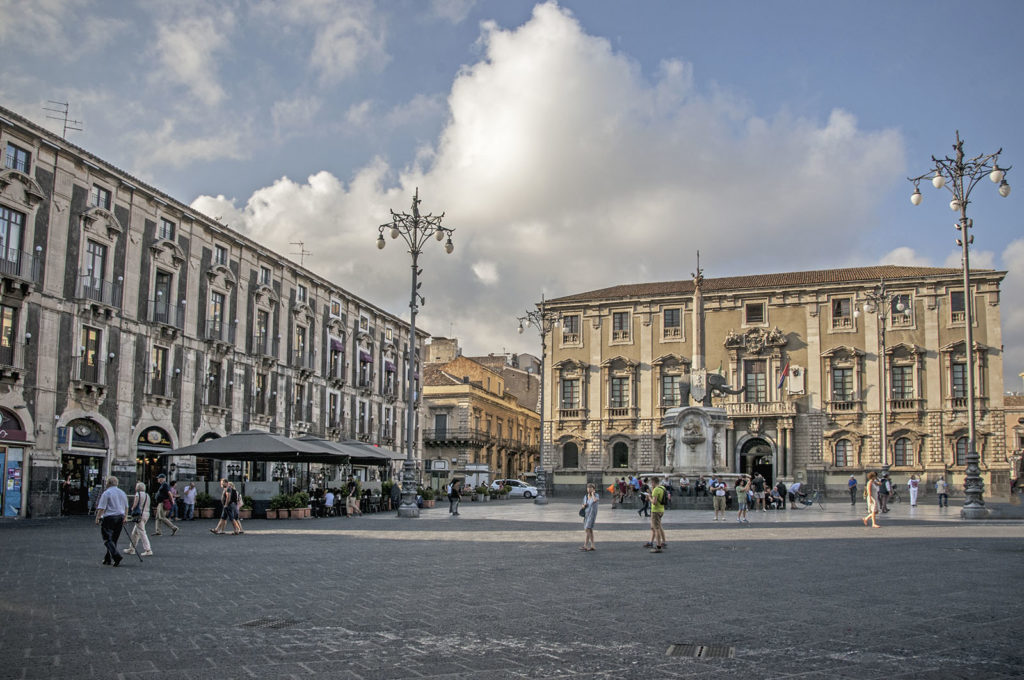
(785, 374)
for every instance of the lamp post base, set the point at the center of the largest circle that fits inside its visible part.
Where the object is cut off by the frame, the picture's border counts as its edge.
(974, 512)
(541, 499)
(542, 485)
(408, 510)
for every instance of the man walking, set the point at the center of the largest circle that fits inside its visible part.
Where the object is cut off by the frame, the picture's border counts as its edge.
(190, 501)
(852, 486)
(163, 504)
(884, 488)
(659, 498)
(758, 486)
(111, 509)
(942, 489)
(454, 496)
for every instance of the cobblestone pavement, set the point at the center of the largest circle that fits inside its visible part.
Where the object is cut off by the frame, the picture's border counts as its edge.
(502, 592)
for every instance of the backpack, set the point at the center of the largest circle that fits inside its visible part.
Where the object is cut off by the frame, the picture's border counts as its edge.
(664, 496)
(233, 498)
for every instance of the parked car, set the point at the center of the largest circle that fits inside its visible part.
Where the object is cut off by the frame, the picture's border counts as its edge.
(515, 487)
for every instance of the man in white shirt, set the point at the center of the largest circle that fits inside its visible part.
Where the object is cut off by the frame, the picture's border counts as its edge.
(795, 494)
(718, 497)
(329, 503)
(111, 509)
(190, 501)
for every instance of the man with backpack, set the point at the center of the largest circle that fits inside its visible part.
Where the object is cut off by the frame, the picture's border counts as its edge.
(659, 499)
(163, 505)
(884, 489)
(454, 496)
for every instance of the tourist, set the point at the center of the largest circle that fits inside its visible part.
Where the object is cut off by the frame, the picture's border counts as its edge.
(659, 497)
(870, 491)
(229, 509)
(189, 497)
(138, 538)
(795, 494)
(774, 500)
(912, 484)
(718, 492)
(942, 490)
(396, 494)
(645, 499)
(352, 499)
(702, 487)
(454, 496)
(684, 486)
(172, 490)
(742, 501)
(589, 508)
(884, 488)
(757, 486)
(329, 503)
(111, 508)
(780, 488)
(852, 486)
(163, 505)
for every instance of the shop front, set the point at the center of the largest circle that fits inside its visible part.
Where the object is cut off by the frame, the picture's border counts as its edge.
(150, 454)
(83, 465)
(12, 462)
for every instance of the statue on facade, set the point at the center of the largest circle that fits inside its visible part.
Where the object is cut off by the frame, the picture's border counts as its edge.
(716, 385)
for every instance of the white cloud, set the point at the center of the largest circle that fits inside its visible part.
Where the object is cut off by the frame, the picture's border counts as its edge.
(905, 256)
(566, 167)
(454, 11)
(186, 50)
(980, 259)
(170, 146)
(486, 273)
(294, 114)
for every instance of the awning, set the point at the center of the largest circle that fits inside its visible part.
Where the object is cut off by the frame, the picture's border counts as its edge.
(381, 451)
(365, 357)
(388, 366)
(256, 445)
(337, 345)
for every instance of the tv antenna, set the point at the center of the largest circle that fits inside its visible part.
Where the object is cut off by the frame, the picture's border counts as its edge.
(62, 109)
(302, 252)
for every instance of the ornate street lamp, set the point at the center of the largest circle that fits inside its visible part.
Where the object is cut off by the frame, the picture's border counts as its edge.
(415, 230)
(960, 176)
(882, 301)
(543, 321)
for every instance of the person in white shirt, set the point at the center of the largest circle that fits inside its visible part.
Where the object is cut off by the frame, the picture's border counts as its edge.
(912, 484)
(795, 494)
(111, 509)
(718, 497)
(329, 503)
(190, 501)
(138, 536)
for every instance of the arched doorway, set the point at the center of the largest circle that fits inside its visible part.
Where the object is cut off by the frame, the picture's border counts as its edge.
(12, 458)
(756, 456)
(206, 468)
(620, 455)
(84, 464)
(150, 455)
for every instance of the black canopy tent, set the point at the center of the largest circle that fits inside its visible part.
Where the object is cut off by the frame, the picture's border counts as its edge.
(259, 446)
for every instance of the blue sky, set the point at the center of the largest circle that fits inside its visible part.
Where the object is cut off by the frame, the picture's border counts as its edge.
(572, 145)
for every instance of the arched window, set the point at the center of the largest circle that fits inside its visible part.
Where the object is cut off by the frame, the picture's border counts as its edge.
(620, 455)
(961, 451)
(844, 453)
(570, 455)
(904, 452)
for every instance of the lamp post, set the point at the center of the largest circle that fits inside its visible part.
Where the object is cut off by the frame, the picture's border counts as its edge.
(415, 230)
(960, 176)
(882, 302)
(543, 321)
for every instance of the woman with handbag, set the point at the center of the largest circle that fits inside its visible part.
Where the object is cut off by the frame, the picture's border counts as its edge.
(588, 511)
(139, 515)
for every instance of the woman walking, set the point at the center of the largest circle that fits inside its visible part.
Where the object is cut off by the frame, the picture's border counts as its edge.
(870, 489)
(138, 537)
(589, 517)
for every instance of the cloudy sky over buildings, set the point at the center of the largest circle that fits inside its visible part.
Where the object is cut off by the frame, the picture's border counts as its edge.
(572, 146)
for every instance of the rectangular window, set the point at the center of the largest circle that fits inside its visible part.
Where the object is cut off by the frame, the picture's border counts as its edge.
(216, 314)
(619, 393)
(364, 323)
(300, 293)
(571, 329)
(755, 372)
(213, 379)
(220, 254)
(670, 390)
(262, 331)
(8, 326)
(902, 379)
(299, 345)
(620, 326)
(159, 375)
(12, 228)
(842, 384)
(842, 315)
(335, 308)
(99, 197)
(165, 230)
(389, 335)
(753, 313)
(17, 158)
(900, 313)
(333, 415)
(672, 323)
(265, 276)
(571, 393)
(956, 306)
(162, 303)
(261, 393)
(959, 370)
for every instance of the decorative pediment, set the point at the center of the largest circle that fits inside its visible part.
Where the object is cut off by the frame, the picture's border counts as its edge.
(569, 364)
(336, 327)
(220, 276)
(957, 347)
(101, 221)
(755, 340)
(618, 362)
(168, 253)
(904, 348)
(670, 359)
(33, 193)
(265, 295)
(843, 350)
(303, 311)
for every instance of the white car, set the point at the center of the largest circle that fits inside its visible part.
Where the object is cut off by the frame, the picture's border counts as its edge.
(515, 487)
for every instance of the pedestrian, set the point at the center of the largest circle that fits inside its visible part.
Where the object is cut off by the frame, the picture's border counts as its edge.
(645, 499)
(229, 509)
(659, 498)
(396, 494)
(742, 488)
(138, 537)
(190, 501)
(852, 486)
(111, 508)
(942, 490)
(718, 497)
(758, 486)
(352, 500)
(884, 487)
(589, 508)
(163, 505)
(329, 503)
(912, 484)
(780, 487)
(454, 496)
(870, 491)
(795, 494)
(173, 492)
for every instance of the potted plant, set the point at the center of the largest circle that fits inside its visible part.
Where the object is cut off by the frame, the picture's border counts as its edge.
(278, 505)
(503, 491)
(205, 504)
(245, 512)
(300, 505)
(428, 497)
(480, 493)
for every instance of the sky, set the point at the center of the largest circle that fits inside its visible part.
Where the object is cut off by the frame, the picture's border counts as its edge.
(571, 145)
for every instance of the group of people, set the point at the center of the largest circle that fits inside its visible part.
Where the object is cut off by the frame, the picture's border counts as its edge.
(655, 501)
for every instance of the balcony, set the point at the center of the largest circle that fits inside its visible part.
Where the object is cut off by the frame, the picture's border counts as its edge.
(760, 409)
(671, 332)
(89, 376)
(265, 349)
(365, 384)
(103, 296)
(12, 361)
(220, 333)
(958, 404)
(957, 317)
(902, 321)
(570, 338)
(620, 336)
(336, 374)
(573, 413)
(19, 270)
(621, 412)
(169, 316)
(842, 323)
(446, 436)
(904, 405)
(303, 361)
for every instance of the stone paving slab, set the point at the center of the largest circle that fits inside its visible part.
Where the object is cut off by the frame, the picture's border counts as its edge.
(503, 592)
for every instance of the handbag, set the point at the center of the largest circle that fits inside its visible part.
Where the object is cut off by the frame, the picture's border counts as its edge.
(583, 511)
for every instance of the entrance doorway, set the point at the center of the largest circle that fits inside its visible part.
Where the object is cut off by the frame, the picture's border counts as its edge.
(83, 466)
(756, 457)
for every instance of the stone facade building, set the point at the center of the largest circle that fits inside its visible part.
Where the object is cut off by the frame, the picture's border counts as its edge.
(481, 420)
(132, 325)
(807, 349)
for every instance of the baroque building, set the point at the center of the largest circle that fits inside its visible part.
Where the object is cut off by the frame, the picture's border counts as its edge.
(482, 421)
(808, 352)
(132, 325)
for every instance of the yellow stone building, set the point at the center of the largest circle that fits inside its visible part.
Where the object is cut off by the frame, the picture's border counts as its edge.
(620, 356)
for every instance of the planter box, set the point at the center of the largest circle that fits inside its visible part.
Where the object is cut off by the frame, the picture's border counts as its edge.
(271, 514)
(428, 504)
(245, 514)
(206, 513)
